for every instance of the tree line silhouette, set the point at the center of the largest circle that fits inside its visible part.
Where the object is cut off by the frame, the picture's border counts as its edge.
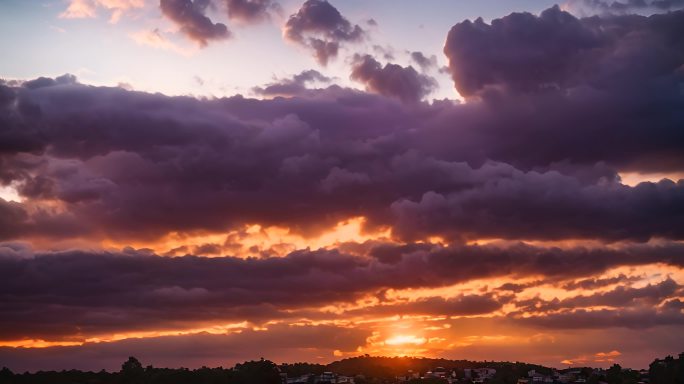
(366, 370)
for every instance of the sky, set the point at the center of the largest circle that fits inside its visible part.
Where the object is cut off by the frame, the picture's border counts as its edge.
(204, 182)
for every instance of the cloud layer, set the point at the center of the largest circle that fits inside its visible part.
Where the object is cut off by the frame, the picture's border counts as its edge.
(134, 291)
(307, 163)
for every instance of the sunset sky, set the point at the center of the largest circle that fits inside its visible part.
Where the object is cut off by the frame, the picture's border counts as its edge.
(203, 182)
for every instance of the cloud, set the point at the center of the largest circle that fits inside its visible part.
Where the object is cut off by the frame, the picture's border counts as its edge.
(49, 82)
(79, 9)
(295, 86)
(605, 318)
(321, 27)
(420, 169)
(134, 291)
(393, 80)
(594, 283)
(475, 210)
(596, 358)
(600, 60)
(12, 213)
(190, 16)
(524, 53)
(463, 305)
(425, 63)
(156, 39)
(250, 11)
(624, 7)
(619, 297)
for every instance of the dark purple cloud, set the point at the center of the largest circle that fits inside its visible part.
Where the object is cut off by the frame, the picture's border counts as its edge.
(425, 63)
(321, 27)
(190, 16)
(520, 52)
(49, 82)
(463, 305)
(523, 53)
(77, 294)
(628, 6)
(295, 86)
(250, 11)
(638, 318)
(11, 213)
(527, 163)
(124, 164)
(625, 66)
(619, 297)
(392, 80)
(482, 210)
(594, 283)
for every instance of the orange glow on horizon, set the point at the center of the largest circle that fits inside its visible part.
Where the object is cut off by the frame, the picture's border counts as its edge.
(38, 343)
(214, 330)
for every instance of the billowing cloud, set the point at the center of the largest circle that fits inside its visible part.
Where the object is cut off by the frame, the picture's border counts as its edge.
(393, 80)
(190, 17)
(340, 152)
(555, 50)
(319, 26)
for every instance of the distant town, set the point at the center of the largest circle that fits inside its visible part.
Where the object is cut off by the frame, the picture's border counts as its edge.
(364, 370)
(660, 369)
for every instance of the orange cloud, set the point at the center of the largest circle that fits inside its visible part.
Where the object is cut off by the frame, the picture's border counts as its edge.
(80, 9)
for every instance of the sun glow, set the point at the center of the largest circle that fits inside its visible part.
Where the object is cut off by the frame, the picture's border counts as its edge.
(9, 193)
(405, 340)
(634, 178)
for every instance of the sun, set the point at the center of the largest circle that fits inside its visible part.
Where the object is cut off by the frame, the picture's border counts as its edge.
(405, 340)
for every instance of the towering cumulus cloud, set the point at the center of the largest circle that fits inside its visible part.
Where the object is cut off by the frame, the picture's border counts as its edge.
(320, 26)
(190, 16)
(525, 53)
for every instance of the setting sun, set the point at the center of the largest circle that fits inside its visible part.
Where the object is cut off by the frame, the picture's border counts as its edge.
(405, 339)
